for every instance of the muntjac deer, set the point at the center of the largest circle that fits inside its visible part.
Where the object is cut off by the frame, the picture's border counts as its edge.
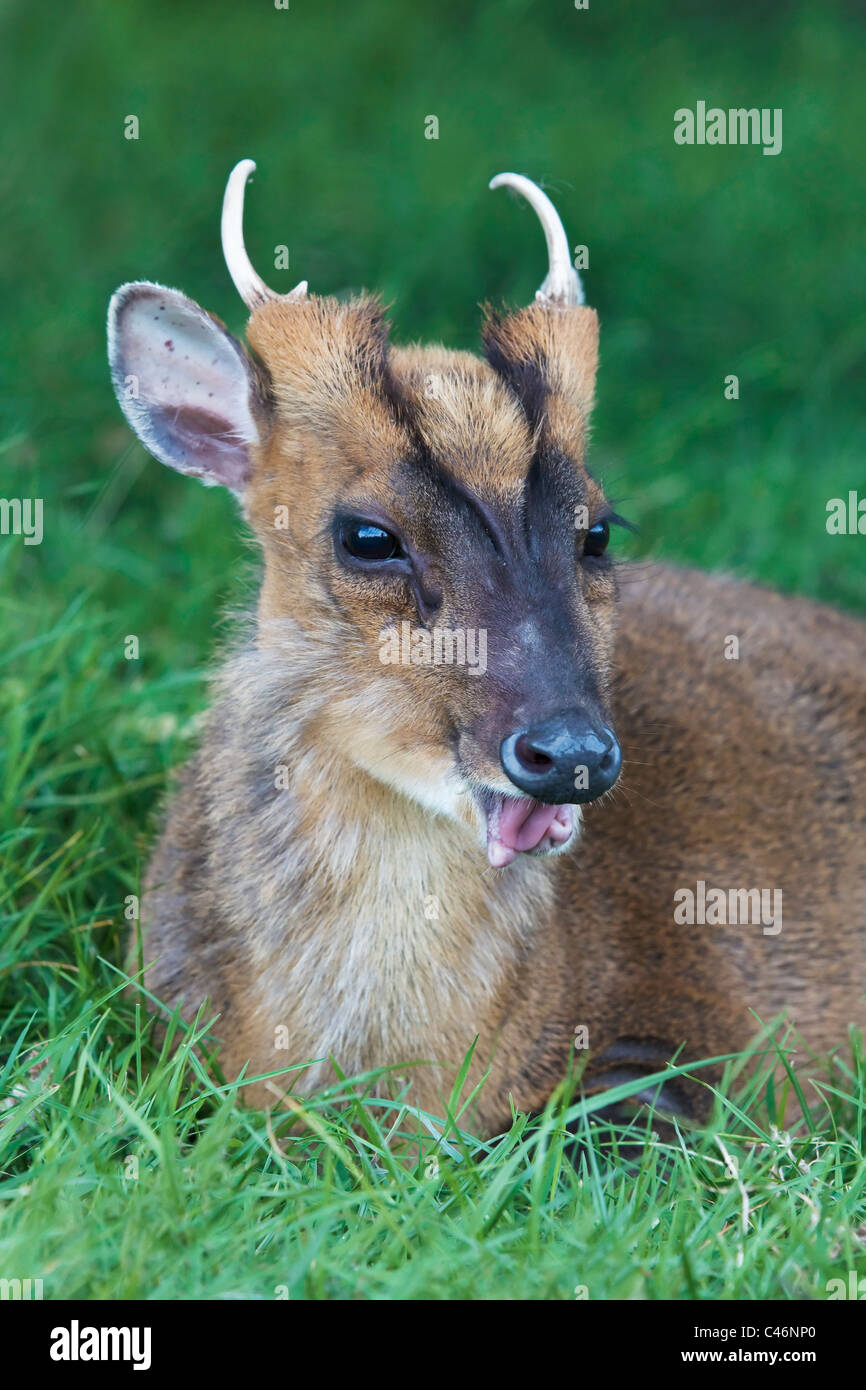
(463, 780)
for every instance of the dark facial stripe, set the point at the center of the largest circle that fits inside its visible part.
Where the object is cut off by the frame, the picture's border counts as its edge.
(527, 381)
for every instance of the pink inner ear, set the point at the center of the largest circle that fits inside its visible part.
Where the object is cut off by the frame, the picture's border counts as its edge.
(204, 445)
(184, 384)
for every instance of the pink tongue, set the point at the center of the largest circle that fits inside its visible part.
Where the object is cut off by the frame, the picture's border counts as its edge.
(515, 826)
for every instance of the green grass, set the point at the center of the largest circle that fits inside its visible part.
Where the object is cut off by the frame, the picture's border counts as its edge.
(702, 263)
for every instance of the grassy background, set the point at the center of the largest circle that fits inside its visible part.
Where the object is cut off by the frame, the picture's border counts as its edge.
(703, 262)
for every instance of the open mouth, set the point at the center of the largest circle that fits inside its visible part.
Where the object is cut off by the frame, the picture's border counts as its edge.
(519, 825)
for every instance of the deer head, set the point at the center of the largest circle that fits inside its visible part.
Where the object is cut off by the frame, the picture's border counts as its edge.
(427, 523)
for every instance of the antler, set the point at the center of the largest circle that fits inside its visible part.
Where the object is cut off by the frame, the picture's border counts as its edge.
(561, 286)
(250, 286)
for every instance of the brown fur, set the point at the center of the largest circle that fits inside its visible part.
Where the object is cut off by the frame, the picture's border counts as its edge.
(308, 906)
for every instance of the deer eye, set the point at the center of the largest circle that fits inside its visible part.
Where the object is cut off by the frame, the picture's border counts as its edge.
(597, 538)
(365, 541)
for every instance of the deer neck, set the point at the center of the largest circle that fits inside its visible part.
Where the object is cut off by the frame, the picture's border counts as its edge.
(377, 917)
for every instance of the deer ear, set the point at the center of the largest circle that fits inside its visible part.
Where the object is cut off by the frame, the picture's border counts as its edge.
(185, 385)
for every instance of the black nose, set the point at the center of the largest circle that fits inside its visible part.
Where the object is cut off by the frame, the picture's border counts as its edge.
(567, 758)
